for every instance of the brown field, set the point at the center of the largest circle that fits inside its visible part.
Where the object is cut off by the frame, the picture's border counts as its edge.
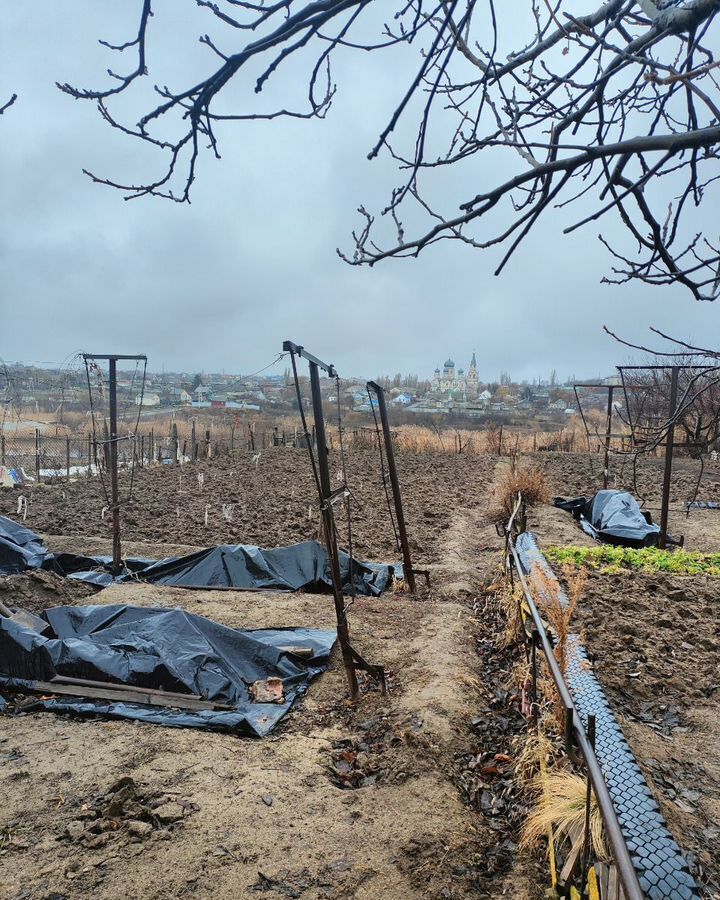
(268, 818)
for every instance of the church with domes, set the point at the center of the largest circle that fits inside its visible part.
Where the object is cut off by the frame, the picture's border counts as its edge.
(456, 382)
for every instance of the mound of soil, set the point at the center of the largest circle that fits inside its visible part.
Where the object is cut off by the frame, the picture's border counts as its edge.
(37, 590)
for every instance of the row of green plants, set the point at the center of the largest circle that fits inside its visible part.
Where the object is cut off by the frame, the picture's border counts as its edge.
(612, 560)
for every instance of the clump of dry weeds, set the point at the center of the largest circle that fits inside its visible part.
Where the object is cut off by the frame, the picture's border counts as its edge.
(525, 478)
(561, 809)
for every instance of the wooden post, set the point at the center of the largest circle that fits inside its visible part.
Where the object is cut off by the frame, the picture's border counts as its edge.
(37, 454)
(142, 451)
(174, 444)
(207, 443)
(2, 449)
(500, 440)
(67, 458)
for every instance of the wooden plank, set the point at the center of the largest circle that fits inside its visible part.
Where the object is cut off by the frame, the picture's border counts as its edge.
(613, 886)
(120, 696)
(573, 858)
(603, 872)
(86, 682)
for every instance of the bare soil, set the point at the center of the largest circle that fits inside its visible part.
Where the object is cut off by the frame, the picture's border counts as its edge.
(270, 504)
(398, 797)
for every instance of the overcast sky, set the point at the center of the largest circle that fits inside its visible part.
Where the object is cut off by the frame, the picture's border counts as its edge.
(217, 285)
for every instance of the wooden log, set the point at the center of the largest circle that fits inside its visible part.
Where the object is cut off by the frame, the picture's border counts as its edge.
(87, 682)
(136, 695)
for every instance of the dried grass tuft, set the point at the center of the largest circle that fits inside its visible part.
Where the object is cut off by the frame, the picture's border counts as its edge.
(562, 808)
(524, 478)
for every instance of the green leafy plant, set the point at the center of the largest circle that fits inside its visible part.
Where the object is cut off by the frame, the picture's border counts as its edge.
(610, 560)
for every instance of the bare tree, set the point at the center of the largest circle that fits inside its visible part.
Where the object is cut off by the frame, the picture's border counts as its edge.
(602, 106)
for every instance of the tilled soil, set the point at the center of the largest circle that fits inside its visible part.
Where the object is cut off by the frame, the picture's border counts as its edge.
(270, 503)
(655, 643)
(37, 591)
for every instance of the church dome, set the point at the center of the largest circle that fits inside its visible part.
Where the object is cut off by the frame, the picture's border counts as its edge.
(449, 364)
(461, 372)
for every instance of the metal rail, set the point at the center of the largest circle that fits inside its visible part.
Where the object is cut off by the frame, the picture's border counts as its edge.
(576, 739)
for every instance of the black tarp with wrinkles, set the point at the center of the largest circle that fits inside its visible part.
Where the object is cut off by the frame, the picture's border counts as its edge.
(163, 648)
(20, 548)
(614, 517)
(299, 567)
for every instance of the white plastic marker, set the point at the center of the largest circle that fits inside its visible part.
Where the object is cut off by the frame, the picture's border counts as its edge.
(201, 479)
(206, 513)
(256, 459)
(22, 506)
(104, 510)
(227, 511)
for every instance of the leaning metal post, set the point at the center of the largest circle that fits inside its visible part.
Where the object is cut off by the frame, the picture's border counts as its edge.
(351, 658)
(395, 484)
(329, 528)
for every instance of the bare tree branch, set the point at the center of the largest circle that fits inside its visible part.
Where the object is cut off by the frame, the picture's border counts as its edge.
(597, 107)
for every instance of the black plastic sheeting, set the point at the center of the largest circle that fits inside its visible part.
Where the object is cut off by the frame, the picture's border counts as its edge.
(163, 648)
(614, 517)
(299, 567)
(20, 548)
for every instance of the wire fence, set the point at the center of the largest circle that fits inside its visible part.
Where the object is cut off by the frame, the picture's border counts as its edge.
(39, 456)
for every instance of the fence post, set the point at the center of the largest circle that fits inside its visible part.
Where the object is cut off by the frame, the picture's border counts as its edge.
(67, 457)
(37, 454)
(2, 449)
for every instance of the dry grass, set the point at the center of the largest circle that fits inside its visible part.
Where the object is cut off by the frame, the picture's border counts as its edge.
(561, 808)
(558, 616)
(523, 478)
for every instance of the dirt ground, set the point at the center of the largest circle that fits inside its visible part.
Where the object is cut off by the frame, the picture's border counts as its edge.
(271, 503)
(655, 643)
(398, 797)
(405, 796)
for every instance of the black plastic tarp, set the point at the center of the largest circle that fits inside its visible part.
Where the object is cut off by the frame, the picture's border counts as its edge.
(299, 567)
(163, 648)
(20, 548)
(614, 517)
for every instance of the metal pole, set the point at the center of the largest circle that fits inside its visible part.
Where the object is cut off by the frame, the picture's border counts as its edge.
(608, 432)
(669, 445)
(116, 551)
(329, 528)
(37, 454)
(395, 483)
(67, 458)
